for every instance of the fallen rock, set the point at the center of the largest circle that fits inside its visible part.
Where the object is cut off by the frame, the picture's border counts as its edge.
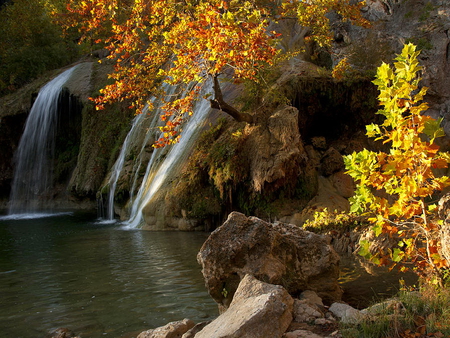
(258, 310)
(311, 297)
(331, 162)
(278, 253)
(346, 313)
(305, 312)
(170, 330)
(301, 334)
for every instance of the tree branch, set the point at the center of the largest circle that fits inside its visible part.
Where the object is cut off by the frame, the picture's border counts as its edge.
(219, 103)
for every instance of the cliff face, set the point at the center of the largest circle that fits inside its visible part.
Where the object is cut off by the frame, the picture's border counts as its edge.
(426, 23)
(289, 159)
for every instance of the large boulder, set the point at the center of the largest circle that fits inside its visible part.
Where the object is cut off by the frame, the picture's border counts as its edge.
(258, 310)
(277, 253)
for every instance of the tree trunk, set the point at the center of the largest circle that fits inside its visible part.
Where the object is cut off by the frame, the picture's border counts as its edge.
(219, 103)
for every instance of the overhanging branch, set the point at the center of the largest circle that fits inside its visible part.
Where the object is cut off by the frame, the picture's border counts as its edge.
(219, 103)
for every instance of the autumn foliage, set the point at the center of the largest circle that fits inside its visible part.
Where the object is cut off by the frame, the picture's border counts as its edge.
(395, 188)
(184, 43)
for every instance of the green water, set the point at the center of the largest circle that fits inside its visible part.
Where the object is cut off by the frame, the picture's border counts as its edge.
(97, 280)
(103, 280)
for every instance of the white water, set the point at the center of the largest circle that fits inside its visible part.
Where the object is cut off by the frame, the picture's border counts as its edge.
(118, 166)
(32, 176)
(141, 123)
(157, 171)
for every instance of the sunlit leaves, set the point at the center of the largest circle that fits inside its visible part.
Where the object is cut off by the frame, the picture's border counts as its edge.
(186, 42)
(393, 187)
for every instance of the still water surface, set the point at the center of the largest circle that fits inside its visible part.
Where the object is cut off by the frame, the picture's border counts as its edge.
(98, 280)
(103, 280)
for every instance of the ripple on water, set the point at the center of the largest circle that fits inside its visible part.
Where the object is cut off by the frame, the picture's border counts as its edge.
(96, 279)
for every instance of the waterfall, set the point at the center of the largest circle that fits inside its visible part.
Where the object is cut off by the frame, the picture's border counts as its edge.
(141, 123)
(118, 165)
(164, 161)
(33, 170)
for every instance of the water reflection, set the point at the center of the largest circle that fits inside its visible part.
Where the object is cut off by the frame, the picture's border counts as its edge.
(96, 279)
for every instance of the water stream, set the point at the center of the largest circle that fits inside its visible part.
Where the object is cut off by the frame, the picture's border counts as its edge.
(33, 172)
(118, 165)
(157, 171)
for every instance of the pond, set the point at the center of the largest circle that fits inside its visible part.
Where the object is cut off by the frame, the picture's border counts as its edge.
(104, 280)
(98, 280)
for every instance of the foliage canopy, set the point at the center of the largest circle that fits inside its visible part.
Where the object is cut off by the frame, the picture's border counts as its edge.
(185, 43)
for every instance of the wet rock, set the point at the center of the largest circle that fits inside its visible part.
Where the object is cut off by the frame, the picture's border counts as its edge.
(170, 330)
(62, 333)
(258, 310)
(276, 253)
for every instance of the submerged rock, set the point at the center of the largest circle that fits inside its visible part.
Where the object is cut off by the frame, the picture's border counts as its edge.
(278, 253)
(62, 332)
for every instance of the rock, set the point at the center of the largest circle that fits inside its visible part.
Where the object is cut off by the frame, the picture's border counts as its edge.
(301, 334)
(343, 183)
(277, 153)
(319, 142)
(276, 253)
(326, 198)
(170, 330)
(258, 310)
(331, 162)
(390, 305)
(196, 329)
(346, 313)
(311, 297)
(444, 214)
(62, 333)
(305, 312)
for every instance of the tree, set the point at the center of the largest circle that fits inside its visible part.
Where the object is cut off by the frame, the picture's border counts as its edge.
(186, 42)
(30, 43)
(395, 188)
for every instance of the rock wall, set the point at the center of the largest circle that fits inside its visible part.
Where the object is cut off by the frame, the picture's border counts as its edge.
(287, 160)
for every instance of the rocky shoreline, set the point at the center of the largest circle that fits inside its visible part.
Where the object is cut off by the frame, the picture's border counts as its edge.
(269, 280)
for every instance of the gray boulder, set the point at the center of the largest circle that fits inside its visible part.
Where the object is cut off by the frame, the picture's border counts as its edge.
(278, 253)
(258, 310)
(170, 330)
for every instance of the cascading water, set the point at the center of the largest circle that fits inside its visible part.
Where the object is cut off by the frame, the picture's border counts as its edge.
(158, 169)
(33, 172)
(141, 122)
